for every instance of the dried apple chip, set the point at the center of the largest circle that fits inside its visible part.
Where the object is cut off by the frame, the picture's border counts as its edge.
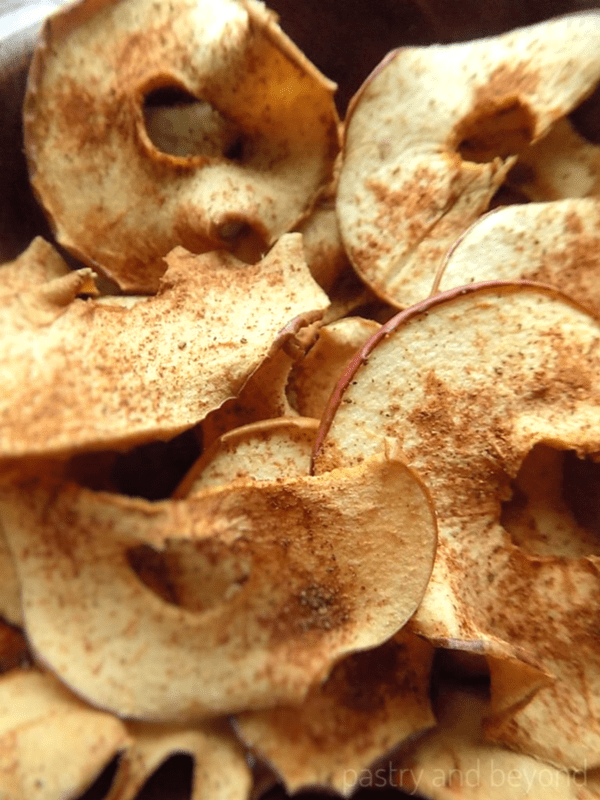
(454, 762)
(91, 374)
(433, 131)
(220, 768)
(560, 165)
(325, 253)
(304, 571)
(264, 451)
(107, 139)
(560, 723)
(555, 243)
(51, 744)
(263, 396)
(469, 382)
(312, 380)
(371, 702)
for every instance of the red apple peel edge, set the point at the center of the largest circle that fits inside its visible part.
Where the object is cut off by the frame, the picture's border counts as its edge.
(404, 316)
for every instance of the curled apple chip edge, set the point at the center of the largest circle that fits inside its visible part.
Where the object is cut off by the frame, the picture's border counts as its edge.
(370, 703)
(411, 183)
(515, 677)
(220, 769)
(41, 723)
(39, 263)
(313, 377)
(455, 762)
(269, 450)
(272, 150)
(295, 599)
(554, 243)
(467, 433)
(263, 451)
(263, 395)
(111, 376)
(31, 311)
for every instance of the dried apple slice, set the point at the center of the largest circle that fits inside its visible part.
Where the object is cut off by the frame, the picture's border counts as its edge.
(562, 164)
(263, 451)
(312, 380)
(432, 133)
(325, 253)
(263, 396)
(515, 677)
(91, 374)
(454, 762)
(264, 135)
(371, 702)
(51, 744)
(220, 768)
(468, 382)
(303, 572)
(538, 517)
(556, 243)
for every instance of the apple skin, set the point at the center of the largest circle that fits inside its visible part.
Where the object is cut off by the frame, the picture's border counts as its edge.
(356, 98)
(396, 322)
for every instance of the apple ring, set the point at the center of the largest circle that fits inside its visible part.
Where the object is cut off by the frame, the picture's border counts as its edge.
(107, 81)
(469, 383)
(432, 133)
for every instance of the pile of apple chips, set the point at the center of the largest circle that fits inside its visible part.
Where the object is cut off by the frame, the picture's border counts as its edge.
(300, 421)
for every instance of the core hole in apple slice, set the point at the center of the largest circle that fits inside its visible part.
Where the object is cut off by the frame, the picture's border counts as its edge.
(247, 242)
(173, 778)
(101, 786)
(502, 130)
(195, 576)
(548, 513)
(581, 490)
(411, 183)
(181, 124)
